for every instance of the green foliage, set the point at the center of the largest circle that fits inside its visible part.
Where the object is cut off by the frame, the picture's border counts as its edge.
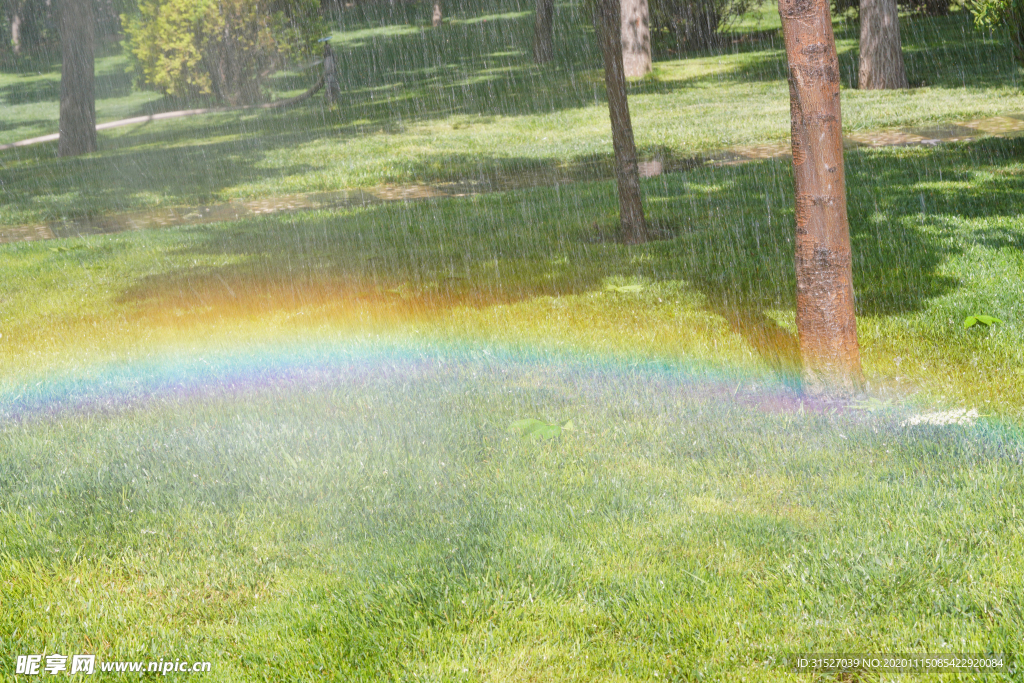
(985, 320)
(995, 14)
(224, 48)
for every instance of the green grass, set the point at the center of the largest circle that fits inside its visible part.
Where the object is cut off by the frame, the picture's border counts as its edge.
(387, 526)
(463, 102)
(282, 444)
(936, 236)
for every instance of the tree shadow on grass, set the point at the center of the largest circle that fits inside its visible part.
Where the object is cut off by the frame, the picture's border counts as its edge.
(34, 89)
(732, 243)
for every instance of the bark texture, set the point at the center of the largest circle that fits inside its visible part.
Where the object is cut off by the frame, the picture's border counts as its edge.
(636, 38)
(881, 53)
(438, 15)
(77, 79)
(627, 174)
(825, 316)
(543, 28)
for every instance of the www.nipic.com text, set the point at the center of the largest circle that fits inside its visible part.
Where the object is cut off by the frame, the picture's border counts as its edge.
(33, 665)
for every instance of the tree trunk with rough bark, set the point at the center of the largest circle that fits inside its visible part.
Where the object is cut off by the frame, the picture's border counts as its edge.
(627, 174)
(881, 53)
(636, 38)
(825, 315)
(77, 79)
(438, 15)
(543, 25)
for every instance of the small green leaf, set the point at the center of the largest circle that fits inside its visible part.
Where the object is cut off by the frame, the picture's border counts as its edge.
(986, 320)
(549, 431)
(523, 425)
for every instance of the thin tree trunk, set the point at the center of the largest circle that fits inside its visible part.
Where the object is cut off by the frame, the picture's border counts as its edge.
(77, 79)
(881, 53)
(438, 15)
(825, 316)
(636, 38)
(631, 210)
(543, 41)
(16, 30)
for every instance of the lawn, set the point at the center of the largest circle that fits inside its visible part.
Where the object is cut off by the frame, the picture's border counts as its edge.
(462, 103)
(285, 444)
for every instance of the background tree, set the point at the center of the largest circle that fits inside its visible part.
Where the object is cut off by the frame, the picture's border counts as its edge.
(632, 224)
(30, 24)
(77, 79)
(13, 15)
(636, 38)
(881, 53)
(932, 8)
(108, 15)
(543, 40)
(438, 15)
(221, 47)
(825, 317)
(996, 14)
(695, 23)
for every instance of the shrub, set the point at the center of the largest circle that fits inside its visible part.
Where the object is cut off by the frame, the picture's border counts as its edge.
(221, 47)
(994, 14)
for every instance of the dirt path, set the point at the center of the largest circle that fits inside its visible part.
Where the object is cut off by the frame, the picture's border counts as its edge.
(1000, 126)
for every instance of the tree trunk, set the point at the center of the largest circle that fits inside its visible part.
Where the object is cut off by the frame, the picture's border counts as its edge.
(16, 30)
(436, 21)
(543, 41)
(77, 78)
(631, 210)
(881, 54)
(636, 38)
(825, 317)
